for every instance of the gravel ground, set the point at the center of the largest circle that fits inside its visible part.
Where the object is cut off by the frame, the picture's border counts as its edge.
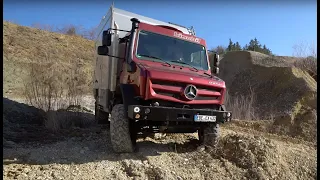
(85, 153)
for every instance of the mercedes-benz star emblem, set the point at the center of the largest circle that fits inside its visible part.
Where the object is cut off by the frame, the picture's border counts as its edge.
(190, 92)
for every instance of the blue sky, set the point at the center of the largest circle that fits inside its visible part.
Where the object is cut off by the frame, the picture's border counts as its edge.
(278, 25)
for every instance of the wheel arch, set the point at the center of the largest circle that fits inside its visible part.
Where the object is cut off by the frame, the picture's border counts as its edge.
(128, 95)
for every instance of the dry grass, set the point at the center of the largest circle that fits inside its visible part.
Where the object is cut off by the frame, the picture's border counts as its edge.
(23, 47)
(50, 70)
(242, 107)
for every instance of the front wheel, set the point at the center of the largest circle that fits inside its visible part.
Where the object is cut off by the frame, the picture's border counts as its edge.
(209, 135)
(122, 131)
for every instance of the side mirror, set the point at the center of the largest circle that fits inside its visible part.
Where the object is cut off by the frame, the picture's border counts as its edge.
(216, 60)
(103, 50)
(106, 38)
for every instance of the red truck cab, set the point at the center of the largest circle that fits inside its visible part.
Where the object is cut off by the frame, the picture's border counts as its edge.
(165, 85)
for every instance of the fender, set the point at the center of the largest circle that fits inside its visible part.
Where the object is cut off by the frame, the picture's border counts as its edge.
(128, 95)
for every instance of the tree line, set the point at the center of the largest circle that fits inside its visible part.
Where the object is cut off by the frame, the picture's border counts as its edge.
(253, 45)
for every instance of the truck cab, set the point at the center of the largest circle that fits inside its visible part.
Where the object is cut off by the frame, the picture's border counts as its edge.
(156, 77)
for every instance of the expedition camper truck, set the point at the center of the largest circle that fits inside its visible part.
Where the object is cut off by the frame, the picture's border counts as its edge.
(151, 77)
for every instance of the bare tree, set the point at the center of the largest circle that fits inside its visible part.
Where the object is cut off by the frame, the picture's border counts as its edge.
(91, 33)
(46, 27)
(220, 49)
(12, 21)
(304, 49)
(307, 52)
(53, 88)
(71, 29)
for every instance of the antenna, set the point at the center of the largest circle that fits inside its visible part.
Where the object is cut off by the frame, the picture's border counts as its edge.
(176, 24)
(190, 30)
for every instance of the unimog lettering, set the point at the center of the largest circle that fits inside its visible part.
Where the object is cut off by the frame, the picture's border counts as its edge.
(180, 35)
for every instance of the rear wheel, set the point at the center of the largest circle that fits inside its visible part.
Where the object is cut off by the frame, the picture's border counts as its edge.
(122, 131)
(209, 135)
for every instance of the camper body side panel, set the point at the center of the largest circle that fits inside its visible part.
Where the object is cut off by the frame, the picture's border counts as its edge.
(123, 19)
(102, 66)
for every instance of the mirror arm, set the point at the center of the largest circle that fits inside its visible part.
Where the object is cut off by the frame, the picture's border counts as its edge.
(117, 30)
(116, 57)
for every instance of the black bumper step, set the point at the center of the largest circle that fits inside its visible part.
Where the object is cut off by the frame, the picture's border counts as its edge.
(158, 113)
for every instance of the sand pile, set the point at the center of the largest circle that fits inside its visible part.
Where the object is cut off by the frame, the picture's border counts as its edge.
(280, 90)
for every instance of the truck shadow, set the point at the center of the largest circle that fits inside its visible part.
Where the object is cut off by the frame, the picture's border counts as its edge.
(27, 141)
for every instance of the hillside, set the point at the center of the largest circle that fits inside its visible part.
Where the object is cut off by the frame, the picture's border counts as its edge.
(68, 144)
(25, 47)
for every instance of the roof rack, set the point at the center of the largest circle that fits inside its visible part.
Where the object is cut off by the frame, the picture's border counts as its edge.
(191, 29)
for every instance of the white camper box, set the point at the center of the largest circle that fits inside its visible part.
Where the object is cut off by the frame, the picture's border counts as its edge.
(106, 67)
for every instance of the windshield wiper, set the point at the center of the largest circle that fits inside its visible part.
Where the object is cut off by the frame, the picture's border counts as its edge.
(153, 57)
(208, 74)
(181, 62)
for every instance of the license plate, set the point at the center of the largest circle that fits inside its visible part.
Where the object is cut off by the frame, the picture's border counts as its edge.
(204, 118)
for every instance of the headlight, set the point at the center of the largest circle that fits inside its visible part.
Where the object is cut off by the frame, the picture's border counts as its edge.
(136, 109)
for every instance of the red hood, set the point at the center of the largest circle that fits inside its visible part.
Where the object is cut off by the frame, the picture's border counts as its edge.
(180, 74)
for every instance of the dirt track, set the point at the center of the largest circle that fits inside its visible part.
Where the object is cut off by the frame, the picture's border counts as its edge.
(76, 153)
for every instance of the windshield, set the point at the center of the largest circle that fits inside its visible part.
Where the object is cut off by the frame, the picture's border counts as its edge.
(157, 47)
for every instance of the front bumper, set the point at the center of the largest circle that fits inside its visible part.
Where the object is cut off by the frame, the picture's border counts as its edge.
(158, 113)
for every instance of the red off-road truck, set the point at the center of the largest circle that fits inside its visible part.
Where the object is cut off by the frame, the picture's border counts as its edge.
(155, 77)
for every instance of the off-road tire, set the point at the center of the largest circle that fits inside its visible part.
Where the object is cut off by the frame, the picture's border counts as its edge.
(122, 133)
(101, 117)
(209, 135)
